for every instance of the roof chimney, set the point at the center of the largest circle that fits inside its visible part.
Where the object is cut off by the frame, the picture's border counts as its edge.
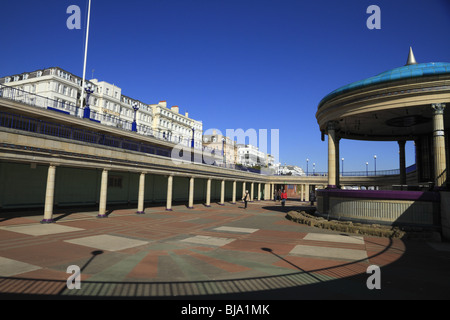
(186, 115)
(163, 103)
(175, 109)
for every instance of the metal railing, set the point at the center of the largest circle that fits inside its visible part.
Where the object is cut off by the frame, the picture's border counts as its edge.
(72, 109)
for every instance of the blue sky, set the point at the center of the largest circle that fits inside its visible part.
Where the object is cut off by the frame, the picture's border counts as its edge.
(261, 64)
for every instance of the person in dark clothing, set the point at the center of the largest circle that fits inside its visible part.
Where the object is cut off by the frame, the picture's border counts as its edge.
(246, 198)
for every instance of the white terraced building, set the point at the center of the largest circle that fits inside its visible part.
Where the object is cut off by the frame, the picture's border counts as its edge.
(60, 90)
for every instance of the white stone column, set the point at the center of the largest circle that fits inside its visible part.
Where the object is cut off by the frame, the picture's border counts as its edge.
(440, 162)
(259, 192)
(222, 193)
(103, 195)
(252, 193)
(233, 199)
(49, 195)
(307, 192)
(272, 191)
(331, 155)
(169, 193)
(191, 193)
(208, 193)
(243, 189)
(140, 209)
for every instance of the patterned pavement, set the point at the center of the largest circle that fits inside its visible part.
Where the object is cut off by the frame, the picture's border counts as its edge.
(221, 252)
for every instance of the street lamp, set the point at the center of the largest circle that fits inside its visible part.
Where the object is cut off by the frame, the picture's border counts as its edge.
(134, 125)
(375, 161)
(342, 166)
(314, 168)
(367, 168)
(307, 162)
(223, 150)
(87, 110)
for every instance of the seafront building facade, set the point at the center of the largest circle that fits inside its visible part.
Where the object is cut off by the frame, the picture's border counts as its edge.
(108, 105)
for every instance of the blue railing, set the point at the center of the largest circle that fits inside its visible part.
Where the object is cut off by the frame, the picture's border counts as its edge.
(72, 109)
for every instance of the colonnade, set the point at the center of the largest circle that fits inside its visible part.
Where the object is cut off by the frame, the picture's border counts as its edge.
(267, 188)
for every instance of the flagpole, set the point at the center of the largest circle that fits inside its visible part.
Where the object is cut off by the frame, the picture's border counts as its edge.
(85, 55)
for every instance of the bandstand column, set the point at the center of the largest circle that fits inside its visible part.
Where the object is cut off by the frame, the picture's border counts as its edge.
(243, 189)
(222, 193)
(49, 195)
(440, 162)
(307, 192)
(331, 155)
(191, 193)
(401, 146)
(103, 195)
(169, 193)
(208, 193)
(252, 193)
(338, 161)
(140, 209)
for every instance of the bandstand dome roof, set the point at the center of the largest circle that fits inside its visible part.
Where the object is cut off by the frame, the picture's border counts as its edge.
(400, 73)
(392, 105)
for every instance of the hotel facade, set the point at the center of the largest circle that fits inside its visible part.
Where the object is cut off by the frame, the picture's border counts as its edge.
(108, 105)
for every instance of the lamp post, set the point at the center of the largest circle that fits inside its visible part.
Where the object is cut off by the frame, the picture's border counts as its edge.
(87, 110)
(223, 151)
(342, 166)
(307, 162)
(134, 125)
(367, 168)
(314, 168)
(375, 162)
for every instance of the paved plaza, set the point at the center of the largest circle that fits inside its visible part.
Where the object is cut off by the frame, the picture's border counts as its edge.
(220, 252)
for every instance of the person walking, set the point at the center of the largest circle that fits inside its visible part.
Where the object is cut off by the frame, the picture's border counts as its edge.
(283, 198)
(246, 198)
(279, 195)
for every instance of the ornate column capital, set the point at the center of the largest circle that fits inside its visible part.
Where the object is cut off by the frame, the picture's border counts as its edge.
(331, 125)
(438, 108)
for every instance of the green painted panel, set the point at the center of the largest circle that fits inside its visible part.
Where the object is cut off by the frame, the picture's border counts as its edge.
(76, 186)
(22, 185)
(181, 189)
(158, 187)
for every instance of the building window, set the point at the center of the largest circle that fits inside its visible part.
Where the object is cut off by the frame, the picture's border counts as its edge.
(114, 182)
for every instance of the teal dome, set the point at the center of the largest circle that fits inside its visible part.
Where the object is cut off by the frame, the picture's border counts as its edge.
(405, 72)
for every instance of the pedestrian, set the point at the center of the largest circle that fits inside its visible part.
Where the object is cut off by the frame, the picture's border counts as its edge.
(275, 195)
(279, 195)
(246, 198)
(283, 198)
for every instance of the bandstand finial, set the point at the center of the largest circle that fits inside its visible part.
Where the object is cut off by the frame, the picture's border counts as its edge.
(411, 58)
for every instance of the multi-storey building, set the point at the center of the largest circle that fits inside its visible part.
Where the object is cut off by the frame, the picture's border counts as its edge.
(250, 155)
(173, 126)
(107, 104)
(223, 146)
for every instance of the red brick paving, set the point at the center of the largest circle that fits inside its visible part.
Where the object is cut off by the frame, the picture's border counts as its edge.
(163, 230)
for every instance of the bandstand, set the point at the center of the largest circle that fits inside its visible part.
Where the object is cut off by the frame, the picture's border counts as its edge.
(407, 103)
